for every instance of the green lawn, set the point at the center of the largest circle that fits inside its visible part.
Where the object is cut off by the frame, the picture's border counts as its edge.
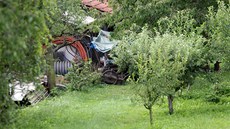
(112, 107)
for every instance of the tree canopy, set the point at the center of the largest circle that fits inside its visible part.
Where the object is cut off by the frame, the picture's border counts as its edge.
(141, 12)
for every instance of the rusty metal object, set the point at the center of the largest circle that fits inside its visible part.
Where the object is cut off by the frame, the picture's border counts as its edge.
(110, 75)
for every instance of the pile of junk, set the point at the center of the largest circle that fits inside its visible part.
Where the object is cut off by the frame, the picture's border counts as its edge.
(75, 49)
(67, 51)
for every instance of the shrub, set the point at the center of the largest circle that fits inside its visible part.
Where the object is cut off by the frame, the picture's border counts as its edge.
(82, 76)
(219, 92)
(222, 89)
(217, 30)
(57, 91)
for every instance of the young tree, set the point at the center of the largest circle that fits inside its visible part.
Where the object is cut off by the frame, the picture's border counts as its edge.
(146, 85)
(157, 65)
(168, 60)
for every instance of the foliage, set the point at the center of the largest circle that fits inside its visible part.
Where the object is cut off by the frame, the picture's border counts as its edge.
(147, 86)
(141, 12)
(186, 28)
(82, 76)
(158, 64)
(212, 37)
(210, 87)
(155, 63)
(218, 33)
(22, 31)
(182, 22)
(58, 91)
(67, 16)
(219, 91)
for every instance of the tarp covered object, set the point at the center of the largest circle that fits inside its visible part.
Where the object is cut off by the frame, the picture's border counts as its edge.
(20, 90)
(102, 42)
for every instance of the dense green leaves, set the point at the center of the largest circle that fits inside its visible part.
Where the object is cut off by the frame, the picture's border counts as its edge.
(81, 77)
(141, 12)
(22, 31)
(67, 16)
(64, 16)
(218, 32)
(178, 44)
(157, 64)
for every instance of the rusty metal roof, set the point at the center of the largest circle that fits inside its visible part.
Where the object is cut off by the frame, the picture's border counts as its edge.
(102, 6)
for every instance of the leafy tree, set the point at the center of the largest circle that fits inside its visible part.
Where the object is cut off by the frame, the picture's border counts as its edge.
(24, 26)
(216, 45)
(22, 30)
(183, 23)
(147, 84)
(185, 29)
(169, 60)
(67, 16)
(157, 65)
(218, 33)
(141, 12)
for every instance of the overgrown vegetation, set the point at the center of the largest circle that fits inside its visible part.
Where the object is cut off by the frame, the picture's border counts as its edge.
(113, 107)
(82, 76)
(24, 27)
(210, 87)
(163, 61)
(141, 12)
(160, 63)
(22, 32)
(174, 51)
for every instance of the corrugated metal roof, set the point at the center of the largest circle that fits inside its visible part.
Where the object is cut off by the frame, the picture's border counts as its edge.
(98, 5)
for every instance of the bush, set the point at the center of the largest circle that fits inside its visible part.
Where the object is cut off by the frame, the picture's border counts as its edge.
(212, 98)
(58, 91)
(225, 65)
(222, 89)
(211, 87)
(82, 76)
(199, 88)
(220, 93)
(217, 30)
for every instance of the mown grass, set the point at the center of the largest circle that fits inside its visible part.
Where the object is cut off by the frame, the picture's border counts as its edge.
(112, 107)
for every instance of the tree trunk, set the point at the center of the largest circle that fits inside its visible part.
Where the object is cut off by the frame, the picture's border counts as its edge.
(151, 115)
(170, 104)
(217, 66)
(50, 69)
